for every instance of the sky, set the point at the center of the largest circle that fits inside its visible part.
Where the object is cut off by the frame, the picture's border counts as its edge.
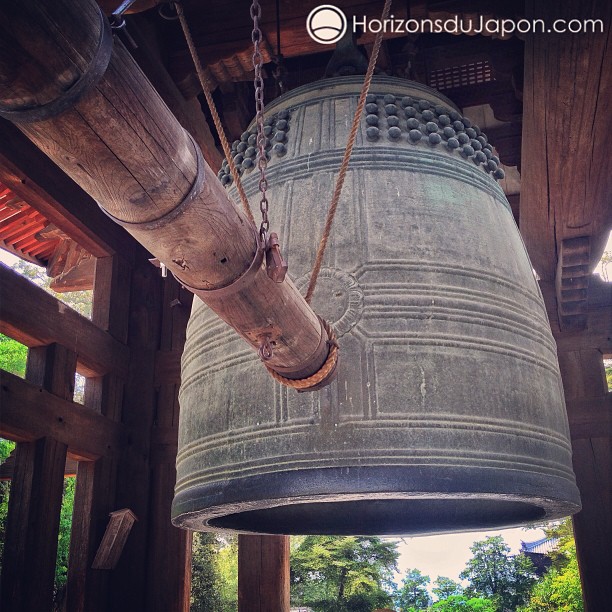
(446, 555)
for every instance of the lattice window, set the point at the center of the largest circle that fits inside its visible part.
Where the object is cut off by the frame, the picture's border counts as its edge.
(463, 75)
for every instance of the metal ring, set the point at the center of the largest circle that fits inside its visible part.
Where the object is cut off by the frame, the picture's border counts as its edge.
(179, 209)
(240, 283)
(94, 72)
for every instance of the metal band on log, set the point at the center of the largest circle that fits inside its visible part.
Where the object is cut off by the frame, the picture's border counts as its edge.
(123, 146)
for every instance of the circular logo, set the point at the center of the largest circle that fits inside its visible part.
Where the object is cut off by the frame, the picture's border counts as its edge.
(326, 24)
(338, 298)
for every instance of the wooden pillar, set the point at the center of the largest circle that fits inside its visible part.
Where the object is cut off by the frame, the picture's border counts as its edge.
(587, 396)
(36, 496)
(263, 573)
(88, 589)
(589, 411)
(128, 581)
(169, 584)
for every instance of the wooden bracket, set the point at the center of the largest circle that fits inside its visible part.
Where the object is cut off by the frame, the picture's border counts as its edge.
(113, 541)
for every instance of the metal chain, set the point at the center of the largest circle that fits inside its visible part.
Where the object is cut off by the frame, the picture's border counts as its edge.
(262, 160)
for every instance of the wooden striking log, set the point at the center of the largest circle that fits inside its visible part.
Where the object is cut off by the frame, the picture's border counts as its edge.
(123, 146)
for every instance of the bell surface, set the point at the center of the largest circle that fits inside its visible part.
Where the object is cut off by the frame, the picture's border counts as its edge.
(447, 413)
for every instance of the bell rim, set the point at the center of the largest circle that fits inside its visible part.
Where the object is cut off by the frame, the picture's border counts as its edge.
(272, 499)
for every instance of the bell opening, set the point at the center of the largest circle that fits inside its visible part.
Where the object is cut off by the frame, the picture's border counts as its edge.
(382, 517)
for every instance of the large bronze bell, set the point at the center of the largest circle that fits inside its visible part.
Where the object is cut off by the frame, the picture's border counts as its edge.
(447, 413)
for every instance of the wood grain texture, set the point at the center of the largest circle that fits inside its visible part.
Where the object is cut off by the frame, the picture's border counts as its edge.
(35, 318)
(149, 56)
(588, 402)
(566, 169)
(263, 573)
(30, 412)
(128, 583)
(168, 587)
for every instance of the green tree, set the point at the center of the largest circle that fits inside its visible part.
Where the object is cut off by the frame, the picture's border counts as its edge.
(6, 448)
(13, 356)
(559, 590)
(462, 603)
(495, 574)
(63, 541)
(338, 574)
(413, 594)
(446, 587)
(205, 595)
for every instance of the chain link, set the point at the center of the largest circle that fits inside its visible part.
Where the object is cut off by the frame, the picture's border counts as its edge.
(262, 160)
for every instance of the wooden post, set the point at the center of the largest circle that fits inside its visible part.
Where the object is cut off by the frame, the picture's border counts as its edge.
(88, 589)
(28, 567)
(263, 573)
(584, 380)
(168, 584)
(123, 146)
(589, 411)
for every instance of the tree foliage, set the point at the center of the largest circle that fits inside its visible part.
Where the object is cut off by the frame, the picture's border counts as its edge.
(463, 603)
(338, 574)
(13, 356)
(214, 573)
(80, 301)
(446, 587)
(495, 574)
(205, 596)
(413, 593)
(559, 590)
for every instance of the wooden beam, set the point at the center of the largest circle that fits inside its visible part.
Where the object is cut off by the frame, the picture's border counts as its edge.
(263, 573)
(33, 524)
(598, 332)
(220, 40)
(30, 412)
(37, 180)
(589, 413)
(36, 493)
(590, 417)
(35, 318)
(566, 166)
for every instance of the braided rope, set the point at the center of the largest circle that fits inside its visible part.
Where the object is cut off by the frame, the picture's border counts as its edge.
(303, 384)
(347, 156)
(213, 110)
